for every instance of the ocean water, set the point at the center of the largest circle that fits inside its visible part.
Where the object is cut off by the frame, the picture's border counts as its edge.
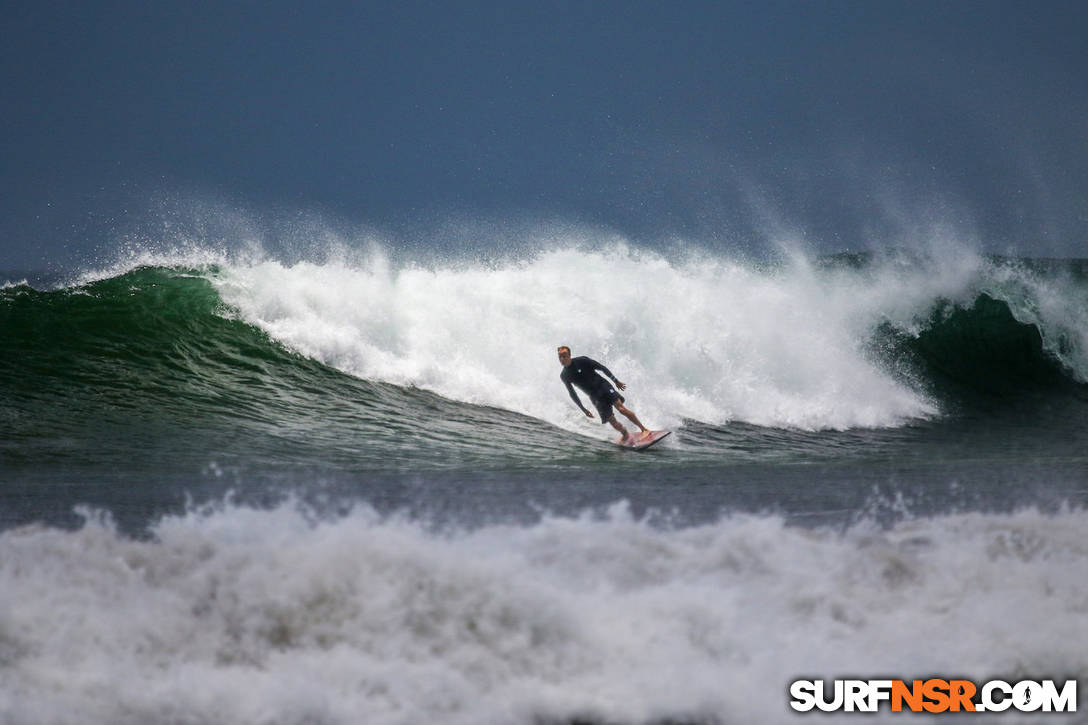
(246, 489)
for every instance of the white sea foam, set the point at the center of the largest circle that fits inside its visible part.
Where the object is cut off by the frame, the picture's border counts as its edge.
(245, 616)
(703, 338)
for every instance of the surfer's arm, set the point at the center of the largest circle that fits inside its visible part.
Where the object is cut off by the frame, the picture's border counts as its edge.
(576, 399)
(606, 371)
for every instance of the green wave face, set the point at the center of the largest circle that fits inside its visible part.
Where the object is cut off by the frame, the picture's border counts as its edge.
(980, 350)
(150, 365)
(130, 357)
(150, 340)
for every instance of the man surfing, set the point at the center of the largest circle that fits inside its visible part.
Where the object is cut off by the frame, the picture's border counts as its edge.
(582, 371)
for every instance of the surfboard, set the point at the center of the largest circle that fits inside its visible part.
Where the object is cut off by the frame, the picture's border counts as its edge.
(638, 444)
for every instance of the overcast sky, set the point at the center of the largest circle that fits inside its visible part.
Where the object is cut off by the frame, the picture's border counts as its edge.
(721, 122)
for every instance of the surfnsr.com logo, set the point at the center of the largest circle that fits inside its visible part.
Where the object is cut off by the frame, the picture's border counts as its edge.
(933, 695)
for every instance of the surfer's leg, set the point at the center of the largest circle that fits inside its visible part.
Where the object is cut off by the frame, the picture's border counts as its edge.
(631, 416)
(604, 408)
(618, 426)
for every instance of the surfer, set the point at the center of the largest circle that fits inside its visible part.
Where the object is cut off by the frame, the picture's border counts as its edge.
(582, 371)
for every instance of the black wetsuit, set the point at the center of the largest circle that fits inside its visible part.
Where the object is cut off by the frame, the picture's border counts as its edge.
(582, 372)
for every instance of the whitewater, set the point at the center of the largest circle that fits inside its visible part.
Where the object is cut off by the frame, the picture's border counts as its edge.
(243, 616)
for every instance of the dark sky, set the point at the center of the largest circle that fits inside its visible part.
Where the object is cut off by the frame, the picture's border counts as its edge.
(847, 123)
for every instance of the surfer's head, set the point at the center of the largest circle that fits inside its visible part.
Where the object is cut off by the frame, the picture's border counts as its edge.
(564, 355)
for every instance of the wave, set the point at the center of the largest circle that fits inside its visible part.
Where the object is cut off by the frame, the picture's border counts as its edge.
(229, 614)
(838, 345)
